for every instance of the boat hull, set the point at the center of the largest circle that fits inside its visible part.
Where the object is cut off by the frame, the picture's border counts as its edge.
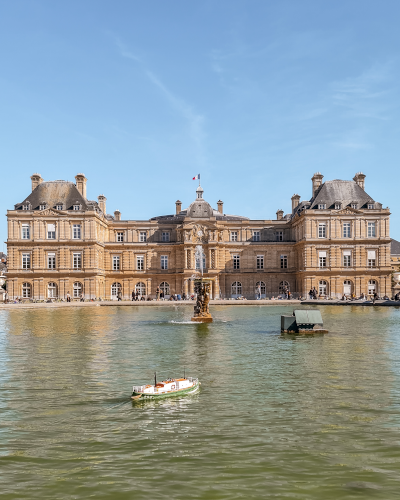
(181, 392)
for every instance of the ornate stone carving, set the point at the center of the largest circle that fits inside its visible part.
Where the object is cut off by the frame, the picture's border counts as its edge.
(47, 212)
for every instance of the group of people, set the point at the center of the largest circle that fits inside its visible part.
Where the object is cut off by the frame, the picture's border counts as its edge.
(136, 296)
(313, 294)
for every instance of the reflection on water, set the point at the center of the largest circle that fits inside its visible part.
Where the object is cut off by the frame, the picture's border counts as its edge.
(276, 416)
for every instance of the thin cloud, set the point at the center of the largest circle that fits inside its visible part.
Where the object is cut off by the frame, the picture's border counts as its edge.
(125, 52)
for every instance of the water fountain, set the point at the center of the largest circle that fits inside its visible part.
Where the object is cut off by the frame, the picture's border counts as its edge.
(202, 291)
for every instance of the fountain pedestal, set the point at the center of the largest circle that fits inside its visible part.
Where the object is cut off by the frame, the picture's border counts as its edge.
(201, 309)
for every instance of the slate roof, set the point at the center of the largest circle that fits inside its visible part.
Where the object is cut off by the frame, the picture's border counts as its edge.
(338, 191)
(57, 192)
(394, 247)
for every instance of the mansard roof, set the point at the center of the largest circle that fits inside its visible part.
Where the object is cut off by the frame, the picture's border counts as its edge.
(57, 192)
(344, 192)
(394, 247)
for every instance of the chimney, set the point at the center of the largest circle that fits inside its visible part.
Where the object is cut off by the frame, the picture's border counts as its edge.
(316, 182)
(220, 207)
(36, 180)
(178, 205)
(279, 214)
(81, 184)
(359, 178)
(117, 215)
(295, 201)
(102, 203)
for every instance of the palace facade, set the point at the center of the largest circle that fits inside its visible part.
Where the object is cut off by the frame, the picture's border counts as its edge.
(60, 242)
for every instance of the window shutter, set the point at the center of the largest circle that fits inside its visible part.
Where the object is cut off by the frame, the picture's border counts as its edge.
(322, 254)
(371, 254)
(346, 252)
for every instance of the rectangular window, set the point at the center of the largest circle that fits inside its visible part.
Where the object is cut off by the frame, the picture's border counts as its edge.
(371, 230)
(322, 259)
(370, 206)
(25, 207)
(322, 206)
(322, 231)
(236, 262)
(77, 207)
(260, 261)
(337, 206)
(256, 236)
(164, 261)
(165, 236)
(120, 237)
(59, 207)
(346, 258)
(42, 207)
(279, 235)
(283, 261)
(26, 232)
(116, 261)
(77, 261)
(346, 230)
(371, 258)
(51, 231)
(76, 232)
(140, 263)
(142, 236)
(354, 205)
(26, 261)
(51, 260)
(234, 236)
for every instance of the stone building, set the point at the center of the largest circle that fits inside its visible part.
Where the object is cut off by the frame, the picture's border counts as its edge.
(60, 242)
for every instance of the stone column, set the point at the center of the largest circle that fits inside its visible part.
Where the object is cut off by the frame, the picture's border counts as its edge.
(148, 291)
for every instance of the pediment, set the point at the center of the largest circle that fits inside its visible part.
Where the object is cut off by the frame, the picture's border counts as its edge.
(348, 211)
(48, 211)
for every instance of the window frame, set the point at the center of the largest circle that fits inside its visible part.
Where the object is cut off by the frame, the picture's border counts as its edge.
(284, 261)
(27, 260)
(278, 235)
(51, 260)
(77, 260)
(142, 236)
(256, 235)
(346, 225)
(140, 262)
(166, 236)
(48, 237)
(116, 263)
(233, 236)
(236, 261)
(321, 206)
(260, 261)
(371, 225)
(76, 230)
(120, 236)
(322, 225)
(25, 232)
(164, 262)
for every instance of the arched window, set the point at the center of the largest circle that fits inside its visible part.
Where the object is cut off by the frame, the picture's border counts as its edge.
(283, 285)
(372, 288)
(164, 288)
(347, 287)
(260, 288)
(52, 290)
(115, 288)
(77, 289)
(323, 288)
(140, 288)
(236, 289)
(26, 290)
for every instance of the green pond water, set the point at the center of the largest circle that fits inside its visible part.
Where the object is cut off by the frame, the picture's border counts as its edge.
(276, 417)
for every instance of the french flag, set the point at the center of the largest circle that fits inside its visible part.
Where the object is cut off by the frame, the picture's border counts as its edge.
(197, 177)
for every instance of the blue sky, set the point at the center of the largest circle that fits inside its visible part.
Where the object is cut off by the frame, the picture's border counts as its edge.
(254, 95)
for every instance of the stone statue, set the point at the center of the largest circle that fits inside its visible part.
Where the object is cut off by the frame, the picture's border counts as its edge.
(201, 309)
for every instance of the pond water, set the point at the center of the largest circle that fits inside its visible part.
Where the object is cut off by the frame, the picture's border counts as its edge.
(276, 416)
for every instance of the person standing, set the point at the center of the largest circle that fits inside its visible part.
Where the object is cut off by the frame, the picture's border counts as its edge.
(68, 297)
(119, 295)
(133, 295)
(374, 297)
(158, 293)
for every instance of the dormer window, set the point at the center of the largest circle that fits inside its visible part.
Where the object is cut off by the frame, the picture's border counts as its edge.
(322, 206)
(338, 206)
(25, 207)
(370, 206)
(76, 207)
(42, 206)
(354, 205)
(59, 207)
